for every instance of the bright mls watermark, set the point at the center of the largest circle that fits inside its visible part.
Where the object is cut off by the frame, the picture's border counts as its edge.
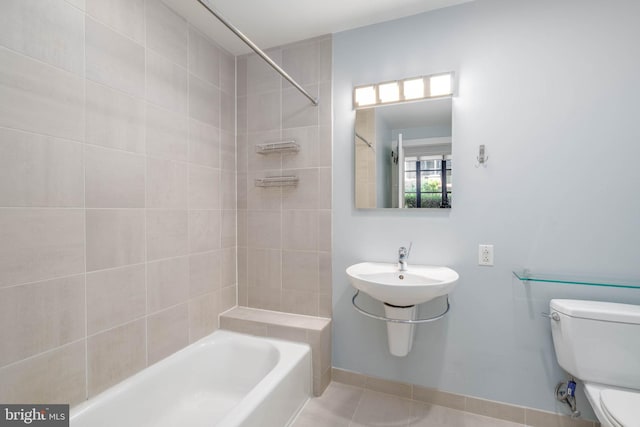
(34, 415)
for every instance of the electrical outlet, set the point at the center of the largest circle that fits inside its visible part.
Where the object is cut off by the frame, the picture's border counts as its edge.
(485, 255)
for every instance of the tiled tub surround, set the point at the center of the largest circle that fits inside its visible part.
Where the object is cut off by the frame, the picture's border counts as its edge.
(284, 233)
(117, 192)
(315, 331)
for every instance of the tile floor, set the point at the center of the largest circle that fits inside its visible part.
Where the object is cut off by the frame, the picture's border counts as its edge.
(343, 405)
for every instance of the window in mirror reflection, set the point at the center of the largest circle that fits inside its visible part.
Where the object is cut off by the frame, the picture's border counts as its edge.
(427, 182)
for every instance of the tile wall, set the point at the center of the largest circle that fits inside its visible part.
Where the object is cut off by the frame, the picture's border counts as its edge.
(284, 234)
(117, 192)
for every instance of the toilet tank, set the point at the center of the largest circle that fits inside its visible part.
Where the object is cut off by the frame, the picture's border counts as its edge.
(598, 341)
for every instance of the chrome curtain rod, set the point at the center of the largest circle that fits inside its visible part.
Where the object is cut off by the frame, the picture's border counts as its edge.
(257, 50)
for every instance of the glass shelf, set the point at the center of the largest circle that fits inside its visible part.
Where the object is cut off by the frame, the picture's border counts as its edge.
(528, 276)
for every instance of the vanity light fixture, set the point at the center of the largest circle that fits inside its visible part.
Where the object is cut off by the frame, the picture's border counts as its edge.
(365, 95)
(389, 92)
(410, 89)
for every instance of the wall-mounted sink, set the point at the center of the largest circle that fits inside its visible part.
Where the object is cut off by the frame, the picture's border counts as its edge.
(384, 282)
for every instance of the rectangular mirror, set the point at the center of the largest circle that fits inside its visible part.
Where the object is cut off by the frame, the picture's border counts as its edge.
(403, 155)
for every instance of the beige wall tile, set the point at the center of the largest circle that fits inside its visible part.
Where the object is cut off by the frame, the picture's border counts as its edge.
(114, 179)
(115, 355)
(114, 60)
(204, 144)
(228, 298)
(227, 72)
(37, 170)
(204, 273)
(204, 230)
(40, 98)
(325, 47)
(297, 111)
(204, 101)
(40, 316)
(324, 230)
(228, 238)
(167, 234)
(305, 194)
(241, 75)
(204, 188)
(115, 237)
(227, 117)
(113, 119)
(115, 297)
(241, 228)
(229, 262)
(263, 198)
(203, 315)
(301, 61)
(166, 83)
(308, 139)
(204, 57)
(263, 111)
(301, 230)
(325, 307)
(57, 376)
(228, 193)
(265, 268)
(37, 244)
(167, 283)
(287, 333)
(300, 270)
(125, 16)
(167, 332)
(52, 32)
(300, 302)
(243, 326)
(263, 229)
(324, 188)
(264, 298)
(167, 135)
(166, 184)
(166, 32)
(263, 162)
(325, 280)
(227, 149)
(260, 76)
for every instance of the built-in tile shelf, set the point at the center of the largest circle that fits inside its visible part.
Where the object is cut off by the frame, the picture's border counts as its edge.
(528, 277)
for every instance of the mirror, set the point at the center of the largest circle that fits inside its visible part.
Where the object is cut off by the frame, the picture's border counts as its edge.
(403, 155)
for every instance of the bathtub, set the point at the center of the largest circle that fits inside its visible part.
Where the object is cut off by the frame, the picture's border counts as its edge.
(225, 379)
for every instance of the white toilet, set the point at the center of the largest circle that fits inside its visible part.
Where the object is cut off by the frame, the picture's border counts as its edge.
(599, 344)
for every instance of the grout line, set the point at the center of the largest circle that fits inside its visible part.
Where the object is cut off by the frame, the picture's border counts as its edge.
(42, 353)
(84, 200)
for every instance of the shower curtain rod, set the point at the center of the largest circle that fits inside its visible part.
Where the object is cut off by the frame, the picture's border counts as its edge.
(257, 50)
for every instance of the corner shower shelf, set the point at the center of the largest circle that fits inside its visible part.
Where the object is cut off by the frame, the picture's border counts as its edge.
(278, 147)
(528, 276)
(277, 181)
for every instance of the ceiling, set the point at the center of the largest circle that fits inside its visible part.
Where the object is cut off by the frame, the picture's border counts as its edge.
(270, 23)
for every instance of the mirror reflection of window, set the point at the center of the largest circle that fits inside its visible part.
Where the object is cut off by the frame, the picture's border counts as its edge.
(403, 155)
(427, 182)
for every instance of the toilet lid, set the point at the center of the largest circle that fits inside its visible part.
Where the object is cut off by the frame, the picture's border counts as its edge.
(621, 407)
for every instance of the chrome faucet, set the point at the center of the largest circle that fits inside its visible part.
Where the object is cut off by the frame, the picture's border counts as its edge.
(403, 256)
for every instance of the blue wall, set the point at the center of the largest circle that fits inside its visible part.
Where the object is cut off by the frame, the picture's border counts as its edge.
(551, 88)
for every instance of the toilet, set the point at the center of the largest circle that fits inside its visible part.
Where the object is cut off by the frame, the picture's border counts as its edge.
(599, 344)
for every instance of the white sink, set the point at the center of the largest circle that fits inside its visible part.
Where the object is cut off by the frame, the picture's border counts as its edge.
(384, 282)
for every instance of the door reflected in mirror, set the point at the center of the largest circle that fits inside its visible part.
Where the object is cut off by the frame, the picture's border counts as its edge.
(403, 155)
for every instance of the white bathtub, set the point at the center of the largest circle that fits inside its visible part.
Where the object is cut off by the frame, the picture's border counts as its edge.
(226, 380)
